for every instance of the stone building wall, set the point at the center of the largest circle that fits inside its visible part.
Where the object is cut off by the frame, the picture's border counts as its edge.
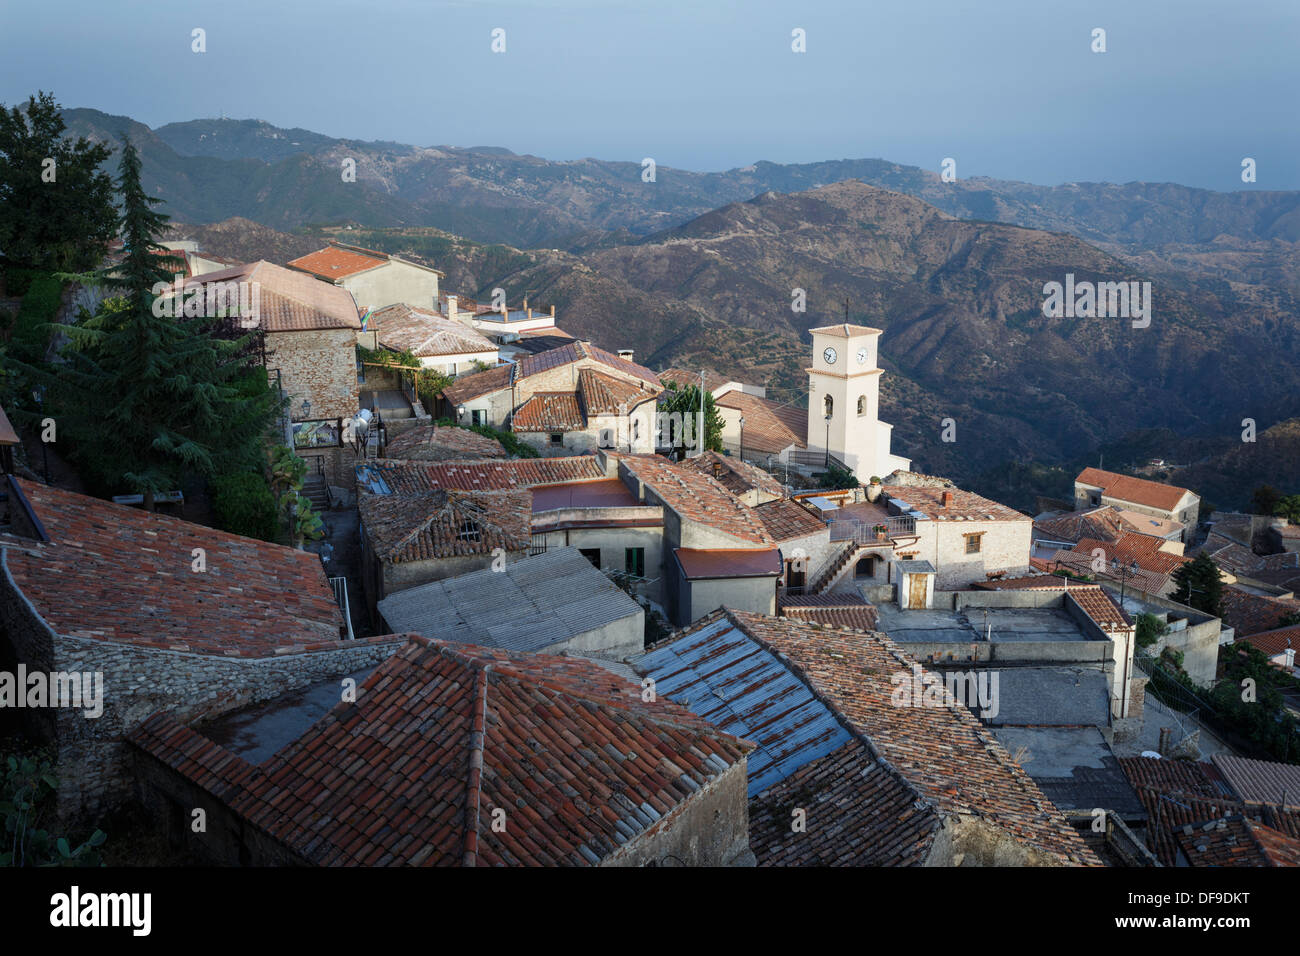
(319, 365)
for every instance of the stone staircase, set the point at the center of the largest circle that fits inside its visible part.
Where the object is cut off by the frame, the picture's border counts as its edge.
(314, 490)
(845, 559)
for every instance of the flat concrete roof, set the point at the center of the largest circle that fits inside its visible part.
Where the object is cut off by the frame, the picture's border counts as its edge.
(1074, 767)
(1007, 624)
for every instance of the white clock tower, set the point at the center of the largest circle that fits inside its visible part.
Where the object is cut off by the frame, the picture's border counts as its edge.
(844, 401)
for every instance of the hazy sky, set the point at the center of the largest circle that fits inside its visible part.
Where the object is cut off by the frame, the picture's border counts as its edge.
(1009, 88)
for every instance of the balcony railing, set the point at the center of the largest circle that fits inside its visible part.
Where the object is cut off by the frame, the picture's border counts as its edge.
(866, 532)
(340, 588)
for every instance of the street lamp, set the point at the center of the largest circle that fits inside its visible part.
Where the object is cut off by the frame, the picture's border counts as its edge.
(742, 438)
(1125, 571)
(828, 441)
(38, 393)
(460, 413)
(306, 408)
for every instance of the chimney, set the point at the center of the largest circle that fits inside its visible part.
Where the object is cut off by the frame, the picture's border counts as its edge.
(552, 311)
(947, 499)
(451, 306)
(525, 304)
(626, 354)
(1166, 741)
(1289, 658)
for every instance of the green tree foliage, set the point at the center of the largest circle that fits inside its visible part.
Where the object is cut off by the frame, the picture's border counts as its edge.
(685, 401)
(26, 800)
(1150, 629)
(1261, 715)
(508, 440)
(288, 472)
(837, 477)
(1264, 499)
(243, 504)
(58, 226)
(1288, 508)
(148, 398)
(1199, 585)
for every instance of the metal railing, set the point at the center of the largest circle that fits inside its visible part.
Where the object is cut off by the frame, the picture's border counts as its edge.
(863, 532)
(340, 587)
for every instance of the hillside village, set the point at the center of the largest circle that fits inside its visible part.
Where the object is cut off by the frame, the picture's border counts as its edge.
(575, 622)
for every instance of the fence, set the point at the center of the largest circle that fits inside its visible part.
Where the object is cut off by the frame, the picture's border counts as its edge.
(861, 532)
(340, 586)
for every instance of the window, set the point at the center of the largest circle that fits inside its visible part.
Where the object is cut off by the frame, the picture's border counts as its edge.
(862, 404)
(468, 531)
(829, 404)
(478, 416)
(973, 542)
(1094, 498)
(557, 438)
(592, 555)
(636, 430)
(635, 561)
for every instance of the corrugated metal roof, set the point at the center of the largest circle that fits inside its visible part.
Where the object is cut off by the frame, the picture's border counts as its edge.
(532, 604)
(726, 677)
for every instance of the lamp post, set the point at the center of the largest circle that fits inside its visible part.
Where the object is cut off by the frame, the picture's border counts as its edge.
(742, 438)
(306, 408)
(828, 441)
(38, 393)
(1124, 571)
(460, 413)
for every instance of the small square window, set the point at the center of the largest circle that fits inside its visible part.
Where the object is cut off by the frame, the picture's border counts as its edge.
(469, 531)
(972, 544)
(557, 438)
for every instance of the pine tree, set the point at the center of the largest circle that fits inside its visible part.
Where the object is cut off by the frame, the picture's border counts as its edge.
(147, 398)
(1199, 585)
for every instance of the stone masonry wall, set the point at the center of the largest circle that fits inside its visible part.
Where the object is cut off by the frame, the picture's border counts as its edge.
(318, 365)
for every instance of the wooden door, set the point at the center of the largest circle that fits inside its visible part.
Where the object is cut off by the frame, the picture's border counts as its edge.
(916, 591)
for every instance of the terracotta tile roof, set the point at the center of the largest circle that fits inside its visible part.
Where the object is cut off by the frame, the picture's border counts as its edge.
(426, 333)
(698, 563)
(1249, 614)
(1099, 606)
(442, 524)
(736, 476)
(442, 737)
(684, 377)
(966, 505)
(577, 351)
(1081, 562)
(1105, 524)
(1236, 841)
(696, 497)
(290, 301)
(844, 330)
(335, 263)
(1138, 491)
(1238, 558)
(434, 443)
(770, 427)
(1275, 642)
(606, 395)
(7, 434)
(953, 763)
(870, 816)
(119, 574)
(477, 384)
(405, 477)
(1142, 548)
(1260, 781)
(846, 611)
(549, 412)
(786, 520)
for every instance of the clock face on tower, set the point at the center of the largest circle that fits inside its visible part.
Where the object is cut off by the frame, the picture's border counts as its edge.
(862, 356)
(829, 356)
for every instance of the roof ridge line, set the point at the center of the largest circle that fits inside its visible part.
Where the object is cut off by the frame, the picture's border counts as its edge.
(474, 782)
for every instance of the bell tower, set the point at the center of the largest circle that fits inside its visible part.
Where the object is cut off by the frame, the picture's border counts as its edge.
(844, 401)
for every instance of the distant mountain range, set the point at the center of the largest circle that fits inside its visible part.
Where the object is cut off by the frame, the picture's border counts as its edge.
(701, 267)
